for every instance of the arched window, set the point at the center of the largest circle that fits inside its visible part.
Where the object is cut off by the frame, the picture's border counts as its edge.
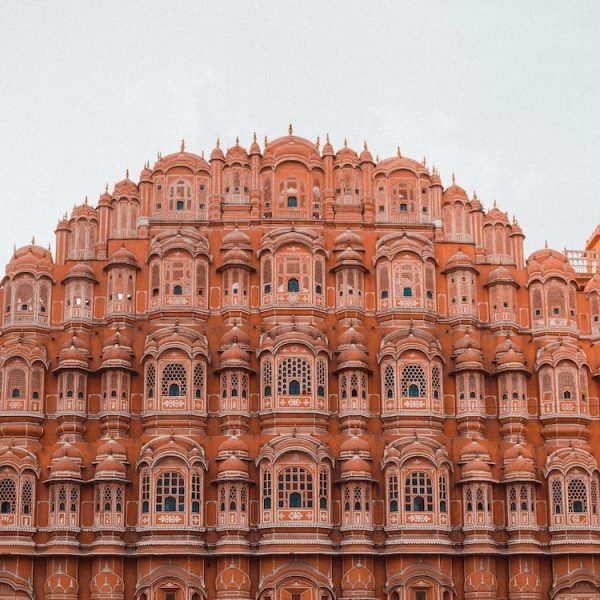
(393, 493)
(418, 492)
(177, 290)
(294, 387)
(174, 380)
(294, 377)
(8, 495)
(170, 492)
(577, 497)
(293, 285)
(295, 488)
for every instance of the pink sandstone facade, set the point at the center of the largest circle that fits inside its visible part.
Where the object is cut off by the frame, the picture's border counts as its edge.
(291, 373)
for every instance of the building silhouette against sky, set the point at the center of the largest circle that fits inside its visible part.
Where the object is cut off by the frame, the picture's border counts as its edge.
(295, 373)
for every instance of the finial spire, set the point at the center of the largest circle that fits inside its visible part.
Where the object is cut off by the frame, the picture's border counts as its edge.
(290, 129)
(126, 173)
(85, 200)
(254, 137)
(33, 240)
(424, 161)
(398, 152)
(546, 244)
(365, 145)
(327, 138)
(202, 153)
(182, 145)
(474, 194)
(106, 187)
(377, 158)
(266, 141)
(345, 142)
(237, 140)
(318, 143)
(453, 179)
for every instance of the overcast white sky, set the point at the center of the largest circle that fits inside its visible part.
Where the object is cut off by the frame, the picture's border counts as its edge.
(504, 94)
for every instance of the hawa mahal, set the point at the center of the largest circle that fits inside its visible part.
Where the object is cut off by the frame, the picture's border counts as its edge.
(296, 373)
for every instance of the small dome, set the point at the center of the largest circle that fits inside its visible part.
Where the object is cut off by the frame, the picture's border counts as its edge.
(30, 259)
(348, 256)
(454, 191)
(111, 446)
(236, 237)
(500, 275)
(348, 238)
(217, 153)
(125, 187)
(474, 448)
(105, 198)
(110, 467)
(254, 147)
(233, 445)
(593, 284)
(233, 465)
(237, 153)
(235, 256)
(146, 173)
(365, 155)
(345, 155)
(355, 465)
(122, 256)
(518, 449)
(494, 215)
(80, 271)
(351, 336)
(459, 259)
(65, 467)
(356, 444)
(75, 355)
(476, 469)
(353, 356)
(235, 335)
(546, 261)
(234, 356)
(519, 467)
(467, 341)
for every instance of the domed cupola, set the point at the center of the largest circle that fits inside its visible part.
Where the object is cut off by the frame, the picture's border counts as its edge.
(117, 351)
(31, 259)
(237, 154)
(467, 354)
(75, 355)
(509, 357)
(217, 153)
(365, 155)
(66, 464)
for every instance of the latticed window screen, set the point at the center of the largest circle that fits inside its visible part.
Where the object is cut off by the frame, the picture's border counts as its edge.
(389, 381)
(170, 492)
(413, 382)
(201, 279)
(443, 493)
(150, 380)
(27, 496)
(418, 492)
(8, 495)
(469, 500)
(294, 370)
(267, 375)
(267, 272)
(383, 279)
(436, 381)
(16, 381)
(512, 499)
(594, 495)
(198, 381)
(577, 496)
(145, 492)
(566, 382)
(196, 492)
(323, 488)
(557, 496)
(267, 489)
(295, 488)
(174, 374)
(393, 492)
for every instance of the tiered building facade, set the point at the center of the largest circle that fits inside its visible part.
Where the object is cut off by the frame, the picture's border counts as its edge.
(291, 373)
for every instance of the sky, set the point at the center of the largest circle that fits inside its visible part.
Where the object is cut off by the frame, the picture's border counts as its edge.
(506, 95)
